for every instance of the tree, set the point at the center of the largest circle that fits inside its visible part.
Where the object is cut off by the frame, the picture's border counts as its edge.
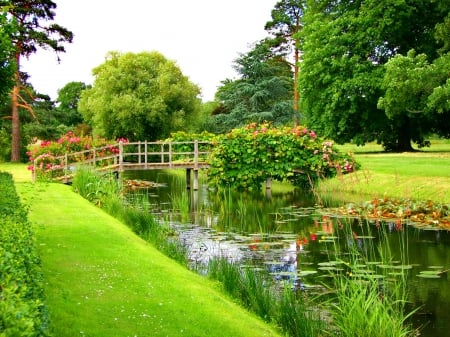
(285, 25)
(7, 64)
(420, 91)
(138, 96)
(262, 93)
(346, 45)
(68, 98)
(33, 29)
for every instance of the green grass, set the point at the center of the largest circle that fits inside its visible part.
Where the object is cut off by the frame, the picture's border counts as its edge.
(419, 175)
(103, 280)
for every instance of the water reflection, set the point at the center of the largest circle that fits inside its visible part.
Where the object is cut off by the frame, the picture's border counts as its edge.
(297, 243)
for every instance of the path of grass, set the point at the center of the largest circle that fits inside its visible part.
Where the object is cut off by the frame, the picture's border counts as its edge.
(102, 280)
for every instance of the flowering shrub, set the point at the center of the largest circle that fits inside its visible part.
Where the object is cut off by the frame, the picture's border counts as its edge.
(247, 156)
(46, 152)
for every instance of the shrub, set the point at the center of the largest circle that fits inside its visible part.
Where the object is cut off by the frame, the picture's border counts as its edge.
(22, 309)
(46, 153)
(248, 156)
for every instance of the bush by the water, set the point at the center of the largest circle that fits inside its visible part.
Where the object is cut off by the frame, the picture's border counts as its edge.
(246, 157)
(22, 309)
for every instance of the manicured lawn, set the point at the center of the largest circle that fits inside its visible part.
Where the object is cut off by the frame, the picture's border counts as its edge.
(103, 280)
(420, 175)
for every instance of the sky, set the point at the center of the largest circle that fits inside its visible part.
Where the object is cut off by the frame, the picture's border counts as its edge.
(203, 37)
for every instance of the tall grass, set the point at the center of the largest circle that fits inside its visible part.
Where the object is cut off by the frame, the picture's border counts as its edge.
(179, 199)
(366, 303)
(255, 290)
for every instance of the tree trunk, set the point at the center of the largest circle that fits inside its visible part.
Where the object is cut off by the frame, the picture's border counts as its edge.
(15, 120)
(296, 96)
(404, 137)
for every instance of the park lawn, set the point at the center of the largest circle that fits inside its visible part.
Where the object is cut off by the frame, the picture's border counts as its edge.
(102, 280)
(423, 175)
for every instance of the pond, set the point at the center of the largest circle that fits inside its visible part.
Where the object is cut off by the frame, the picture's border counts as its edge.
(289, 236)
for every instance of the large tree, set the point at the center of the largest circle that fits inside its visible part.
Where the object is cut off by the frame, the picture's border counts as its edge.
(33, 29)
(285, 26)
(263, 91)
(140, 96)
(346, 45)
(7, 64)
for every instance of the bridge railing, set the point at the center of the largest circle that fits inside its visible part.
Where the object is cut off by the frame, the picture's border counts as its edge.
(143, 154)
(125, 156)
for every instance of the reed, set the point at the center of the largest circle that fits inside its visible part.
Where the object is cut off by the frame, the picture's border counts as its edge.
(368, 303)
(295, 314)
(255, 290)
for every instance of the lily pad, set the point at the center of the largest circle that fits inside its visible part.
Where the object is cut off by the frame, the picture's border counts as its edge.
(307, 272)
(434, 276)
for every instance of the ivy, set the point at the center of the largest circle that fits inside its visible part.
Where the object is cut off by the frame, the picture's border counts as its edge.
(246, 157)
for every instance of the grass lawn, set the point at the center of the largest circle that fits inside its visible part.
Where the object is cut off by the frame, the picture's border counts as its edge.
(103, 280)
(419, 175)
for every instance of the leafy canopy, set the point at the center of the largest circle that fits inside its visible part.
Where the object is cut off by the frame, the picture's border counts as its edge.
(345, 46)
(138, 96)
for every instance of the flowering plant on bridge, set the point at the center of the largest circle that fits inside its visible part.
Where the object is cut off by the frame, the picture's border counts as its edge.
(247, 156)
(46, 152)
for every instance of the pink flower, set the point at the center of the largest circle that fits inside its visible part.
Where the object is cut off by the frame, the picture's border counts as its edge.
(312, 134)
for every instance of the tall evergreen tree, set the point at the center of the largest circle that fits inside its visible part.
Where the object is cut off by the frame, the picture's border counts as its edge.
(34, 29)
(262, 93)
(286, 23)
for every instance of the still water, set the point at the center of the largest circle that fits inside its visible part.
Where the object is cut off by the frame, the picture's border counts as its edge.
(293, 239)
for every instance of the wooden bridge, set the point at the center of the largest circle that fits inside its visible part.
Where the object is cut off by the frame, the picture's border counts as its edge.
(126, 156)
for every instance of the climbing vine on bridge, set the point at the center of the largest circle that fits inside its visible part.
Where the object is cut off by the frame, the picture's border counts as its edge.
(247, 156)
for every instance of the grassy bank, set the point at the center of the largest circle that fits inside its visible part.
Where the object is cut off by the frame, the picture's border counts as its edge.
(423, 175)
(102, 280)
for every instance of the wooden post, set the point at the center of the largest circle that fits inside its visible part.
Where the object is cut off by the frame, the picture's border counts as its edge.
(195, 180)
(146, 151)
(139, 153)
(170, 154)
(188, 178)
(195, 155)
(120, 156)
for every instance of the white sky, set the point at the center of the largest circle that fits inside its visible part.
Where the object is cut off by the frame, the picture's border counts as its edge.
(203, 37)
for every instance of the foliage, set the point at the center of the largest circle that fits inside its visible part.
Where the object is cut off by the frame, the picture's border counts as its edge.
(254, 289)
(46, 152)
(365, 300)
(68, 98)
(248, 156)
(263, 93)
(345, 46)
(419, 90)
(7, 64)
(204, 143)
(138, 96)
(285, 26)
(22, 309)
(423, 213)
(33, 29)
